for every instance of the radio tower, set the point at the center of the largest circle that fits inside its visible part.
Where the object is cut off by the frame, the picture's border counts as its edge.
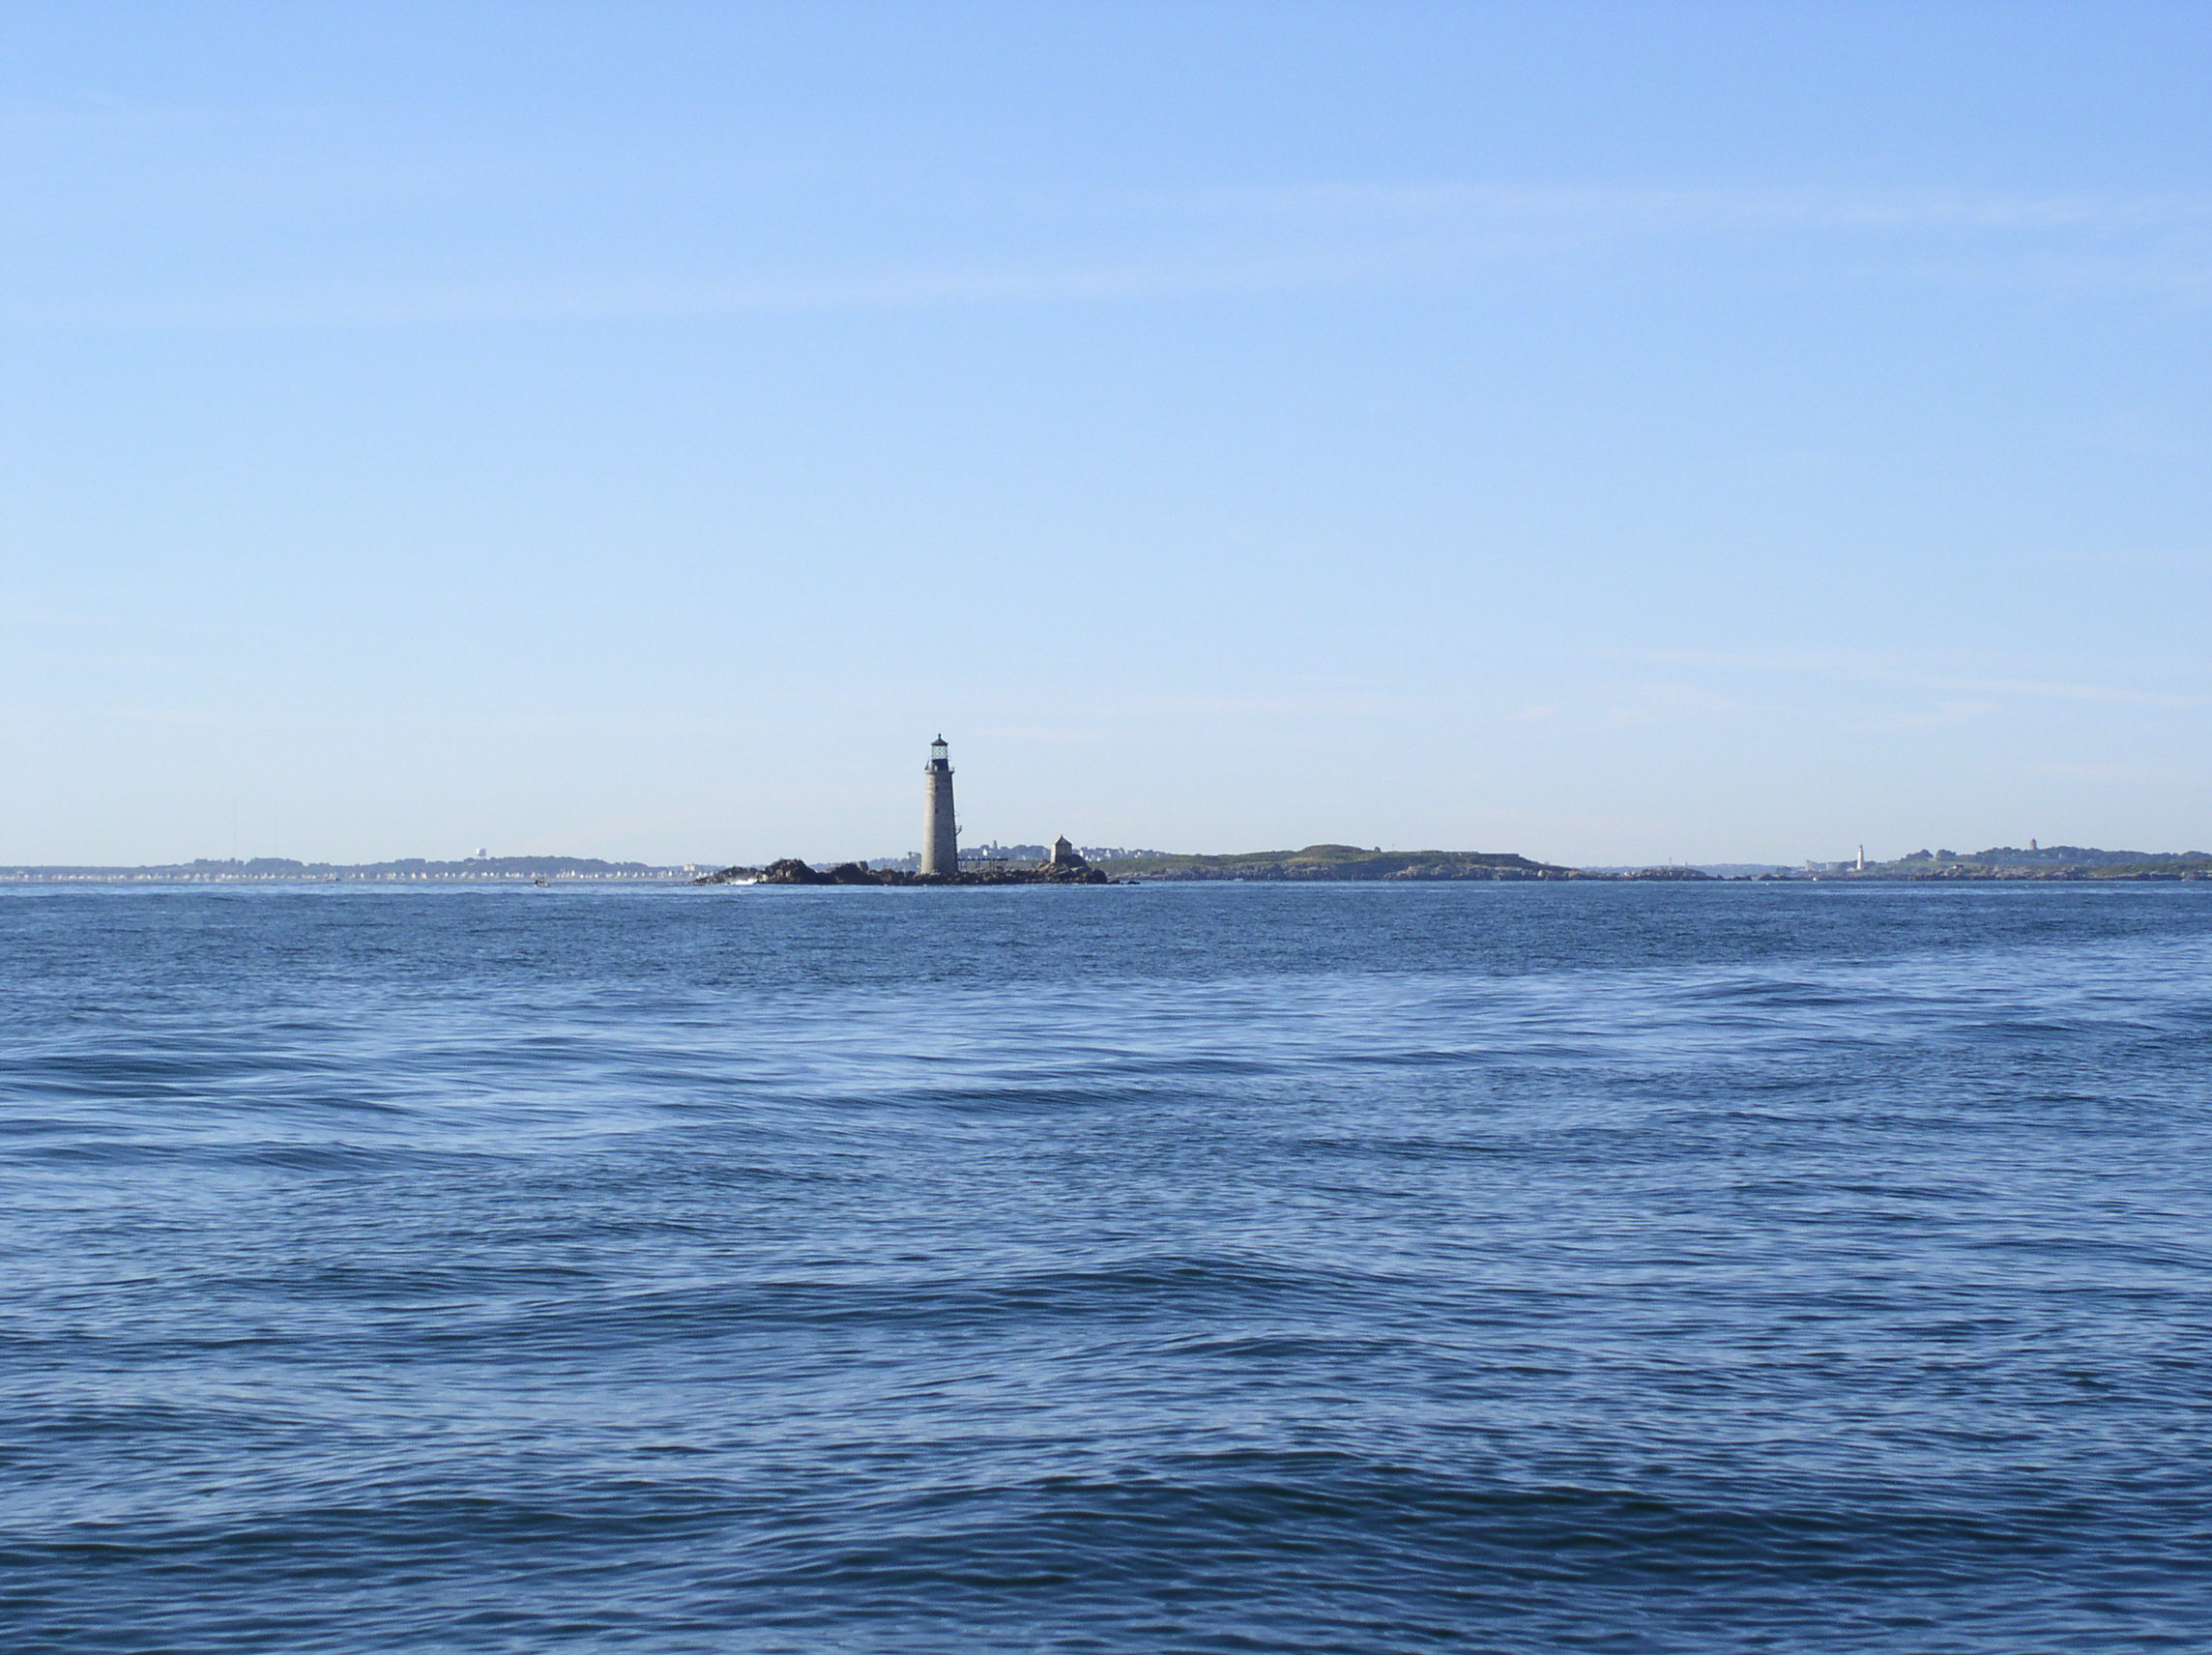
(940, 832)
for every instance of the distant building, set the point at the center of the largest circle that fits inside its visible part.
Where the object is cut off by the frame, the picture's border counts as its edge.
(996, 853)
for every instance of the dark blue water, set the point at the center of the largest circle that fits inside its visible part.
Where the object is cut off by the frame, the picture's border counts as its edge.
(1641, 1268)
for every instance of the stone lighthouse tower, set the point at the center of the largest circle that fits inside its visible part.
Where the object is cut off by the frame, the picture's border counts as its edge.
(940, 832)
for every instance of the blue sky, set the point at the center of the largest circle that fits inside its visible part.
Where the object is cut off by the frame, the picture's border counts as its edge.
(1606, 432)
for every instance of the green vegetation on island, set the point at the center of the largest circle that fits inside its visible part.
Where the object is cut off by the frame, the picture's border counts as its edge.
(1342, 862)
(2039, 863)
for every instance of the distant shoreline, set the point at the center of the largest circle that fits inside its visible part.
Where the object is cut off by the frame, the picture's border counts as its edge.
(277, 870)
(1315, 863)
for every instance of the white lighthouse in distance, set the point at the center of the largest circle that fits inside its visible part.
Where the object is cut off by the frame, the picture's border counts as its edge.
(940, 832)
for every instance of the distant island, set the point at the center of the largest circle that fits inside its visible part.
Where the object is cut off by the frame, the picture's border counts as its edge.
(1345, 863)
(1064, 864)
(2036, 862)
(1316, 862)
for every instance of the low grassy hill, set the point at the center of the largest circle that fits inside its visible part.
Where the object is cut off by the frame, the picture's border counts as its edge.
(1338, 862)
(2050, 862)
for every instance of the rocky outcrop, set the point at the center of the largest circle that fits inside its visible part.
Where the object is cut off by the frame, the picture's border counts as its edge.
(792, 871)
(729, 876)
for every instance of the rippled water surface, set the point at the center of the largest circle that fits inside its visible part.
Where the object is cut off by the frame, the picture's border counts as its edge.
(1246, 1268)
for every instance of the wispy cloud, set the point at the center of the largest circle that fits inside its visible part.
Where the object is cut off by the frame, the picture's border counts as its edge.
(1648, 208)
(2112, 772)
(1950, 713)
(364, 251)
(1873, 669)
(908, 287)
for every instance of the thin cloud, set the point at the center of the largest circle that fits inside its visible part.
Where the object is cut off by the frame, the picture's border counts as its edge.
(1925, 208)
(1950, 713)
(1118, 246)
(1868, 671)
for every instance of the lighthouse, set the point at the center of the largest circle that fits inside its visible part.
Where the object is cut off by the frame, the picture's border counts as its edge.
(940, 832)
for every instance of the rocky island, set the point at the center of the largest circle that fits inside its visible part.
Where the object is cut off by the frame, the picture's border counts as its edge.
(2036, 862)
(1066, 866)
(1345, 863)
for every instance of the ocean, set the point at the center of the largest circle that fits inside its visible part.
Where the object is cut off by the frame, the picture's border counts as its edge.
(1252, 1267)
